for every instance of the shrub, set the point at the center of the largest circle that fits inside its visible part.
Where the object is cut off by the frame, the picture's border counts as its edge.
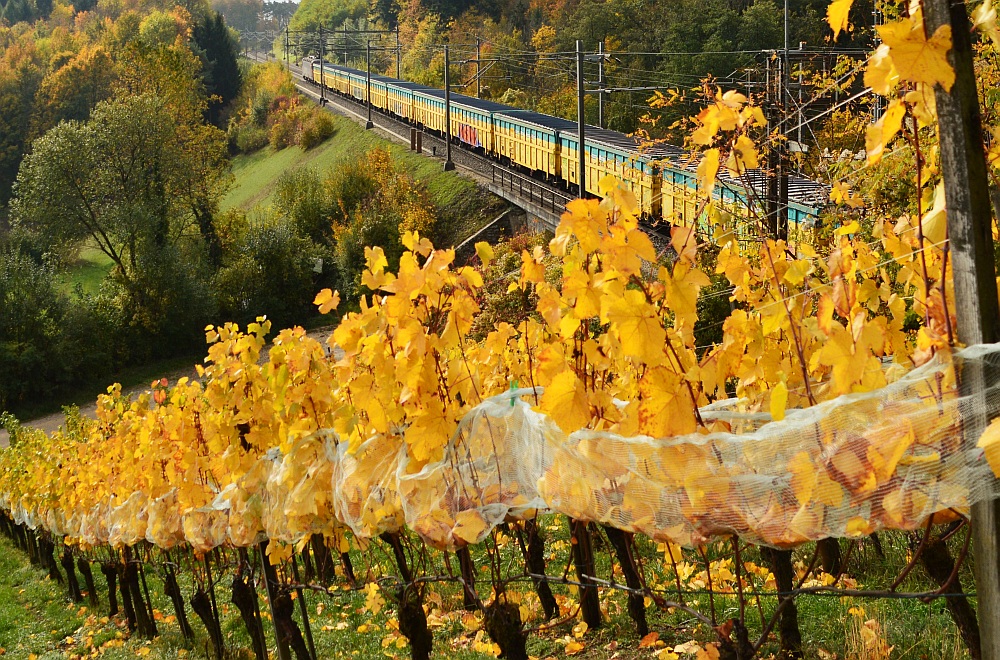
(268, 271)
(317, 127)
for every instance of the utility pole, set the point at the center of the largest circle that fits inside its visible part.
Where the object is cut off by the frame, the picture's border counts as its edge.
(448, 164)
(581, 120)
(322, 67)
(600, 84)
(368, 83)
(966, 188)
(286, 46)
(399, 57)
(479, 87)
(785, 98)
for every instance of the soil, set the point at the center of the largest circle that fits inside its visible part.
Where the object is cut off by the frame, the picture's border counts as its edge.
(52, 422)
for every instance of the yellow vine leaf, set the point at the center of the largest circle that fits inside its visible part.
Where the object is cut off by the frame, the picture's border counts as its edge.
(708, 169)
(485, 252)
(917, 58)
(327, 300)
(984, 18)
(838, 16)
(989, 442)
(884, 130)
(779, 399)
(565, 401)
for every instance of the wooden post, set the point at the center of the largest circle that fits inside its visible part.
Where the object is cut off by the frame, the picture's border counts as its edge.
(969, 230)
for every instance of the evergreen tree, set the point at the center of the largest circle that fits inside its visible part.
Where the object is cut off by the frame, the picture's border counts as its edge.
(221, 72)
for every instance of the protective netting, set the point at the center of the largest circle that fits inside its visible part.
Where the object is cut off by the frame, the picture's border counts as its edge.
(892, 458)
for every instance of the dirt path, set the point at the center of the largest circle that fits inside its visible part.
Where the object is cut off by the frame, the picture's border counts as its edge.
(50, 423)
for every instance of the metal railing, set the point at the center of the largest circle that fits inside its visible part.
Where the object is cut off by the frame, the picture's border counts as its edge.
(530, 190)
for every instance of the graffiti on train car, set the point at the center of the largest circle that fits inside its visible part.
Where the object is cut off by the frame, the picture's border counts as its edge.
(469, 135)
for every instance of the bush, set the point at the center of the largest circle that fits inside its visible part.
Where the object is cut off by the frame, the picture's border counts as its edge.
(34, 355)
(248, 139)
(268, 271)
(317, 127)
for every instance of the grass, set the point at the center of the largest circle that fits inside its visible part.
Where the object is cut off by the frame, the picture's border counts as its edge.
(88, 271)
(36, 616)
(462, 205)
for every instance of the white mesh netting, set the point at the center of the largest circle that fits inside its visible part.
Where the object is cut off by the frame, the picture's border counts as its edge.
(847, 467)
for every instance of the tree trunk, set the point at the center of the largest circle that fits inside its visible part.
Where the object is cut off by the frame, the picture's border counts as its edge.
(622, 544)
(788, 624)
(503, 624)
(829, 555)
(583, 559)
(88, 580)
(173, 591)
(110, 572)
(937, 561)
(245, 599)
(534, 556)
(71, 581)
(202, 606)
(470, 600)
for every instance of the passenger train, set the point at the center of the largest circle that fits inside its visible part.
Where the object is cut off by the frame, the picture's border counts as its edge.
(662, 177)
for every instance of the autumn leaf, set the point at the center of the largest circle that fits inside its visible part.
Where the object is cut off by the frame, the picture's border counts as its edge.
(917, 58)
(838, 16)
(989, 442)
(327, 300)
(779, 398)
(485, 252)
(565, 401)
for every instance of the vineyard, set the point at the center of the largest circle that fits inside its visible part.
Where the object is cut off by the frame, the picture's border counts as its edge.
(443, 442)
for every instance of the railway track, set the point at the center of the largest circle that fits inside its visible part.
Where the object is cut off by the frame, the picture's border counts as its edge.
(546, 201)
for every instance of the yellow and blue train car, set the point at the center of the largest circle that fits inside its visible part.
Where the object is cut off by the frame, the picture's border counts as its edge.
(610, 153)
(530, 140)
(473, 122)
(662, 177)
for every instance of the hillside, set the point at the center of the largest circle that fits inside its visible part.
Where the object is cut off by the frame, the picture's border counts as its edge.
(463, 207)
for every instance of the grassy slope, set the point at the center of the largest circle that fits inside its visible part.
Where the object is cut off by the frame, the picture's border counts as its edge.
(460, 203)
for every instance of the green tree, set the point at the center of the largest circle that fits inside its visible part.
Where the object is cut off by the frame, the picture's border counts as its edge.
(220, 71)
(131, 180)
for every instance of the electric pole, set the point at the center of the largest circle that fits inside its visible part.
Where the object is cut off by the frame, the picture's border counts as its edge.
(399, 57)
(581, 119)
(368, 83)
(479, 87)
(286, 46)
(448, 164)
(322, 67)
(600, 84)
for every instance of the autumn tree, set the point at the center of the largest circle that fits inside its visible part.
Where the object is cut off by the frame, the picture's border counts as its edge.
(123, 180)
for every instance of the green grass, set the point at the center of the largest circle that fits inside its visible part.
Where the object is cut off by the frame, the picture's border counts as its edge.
(88, 271)
(460, 203)
(36, 617)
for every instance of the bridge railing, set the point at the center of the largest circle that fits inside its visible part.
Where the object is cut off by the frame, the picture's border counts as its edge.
(531, 190)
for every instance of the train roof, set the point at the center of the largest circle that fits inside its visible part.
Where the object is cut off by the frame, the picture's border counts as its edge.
(538, 119)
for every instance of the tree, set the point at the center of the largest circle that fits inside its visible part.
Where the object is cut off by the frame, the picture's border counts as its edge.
(220, 72)
(130, 179)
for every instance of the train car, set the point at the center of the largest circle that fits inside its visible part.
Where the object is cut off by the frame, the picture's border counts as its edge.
(473, 123)
(610, 153)
(531, 140)
(662, 177)
(400, 99)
